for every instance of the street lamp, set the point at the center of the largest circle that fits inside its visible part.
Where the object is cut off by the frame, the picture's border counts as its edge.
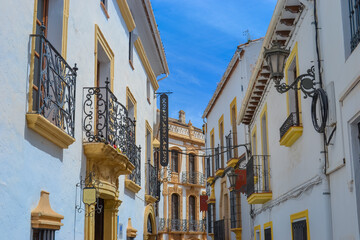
(276, 57)
(232, 178)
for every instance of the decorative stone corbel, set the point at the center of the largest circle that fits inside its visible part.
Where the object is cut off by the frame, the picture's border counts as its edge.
(43, 216)
(130, 231)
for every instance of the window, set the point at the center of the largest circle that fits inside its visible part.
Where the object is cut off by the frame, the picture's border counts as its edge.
(149, 225)
(257, 232)
(211, 217)
(235, 209)
(300, 226)
(212, 146)
(253, 142)
(174, 161)
(43, 234)
(354, 14)
(221, 137)
(131, 106)
(148, 145)
(268, 235)
(208, 168)
(175, 206)
(233, 126)
(103, 4)
(192, 214)
(264, 146)
(131, 49)
(148, 90)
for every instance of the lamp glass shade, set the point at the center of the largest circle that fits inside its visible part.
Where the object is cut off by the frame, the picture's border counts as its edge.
(232, 178)
(275, 58)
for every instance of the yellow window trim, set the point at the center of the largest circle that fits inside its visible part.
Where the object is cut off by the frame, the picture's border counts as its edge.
(130, 96)
(149, 128)
(300, 215)
(269, 225)
(264, 111)
(126, 14)
(221, 120)
(253, 133)
(99, 38)
(257, 228)
(232, 104)
(293, 54)
(145, 62)
(63, 46)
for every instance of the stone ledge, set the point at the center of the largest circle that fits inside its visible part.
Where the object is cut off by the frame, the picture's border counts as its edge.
(132, 186)
(48, 130)
(150, 199)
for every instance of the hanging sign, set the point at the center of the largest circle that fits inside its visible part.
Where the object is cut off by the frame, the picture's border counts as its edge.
(203, 203)
(164, 130)
(241, 180)
(89, 195)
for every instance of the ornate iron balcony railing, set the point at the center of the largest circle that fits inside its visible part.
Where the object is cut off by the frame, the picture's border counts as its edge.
(162, 225)
(197, 226)
(177, 225)
(257, 175)
(219, 230)
(106, 120)
(54, 85)
(291, 121)
(152, 180)
(193, 178)
(135, 159)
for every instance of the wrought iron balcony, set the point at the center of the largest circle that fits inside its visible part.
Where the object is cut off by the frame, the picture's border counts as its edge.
(177, 225)
(354, 13)
(235, 209)
(162, 225)
(54, 84)
(229, 148)
(193, 178)
(152, 180)
(258, 179)
(217, 159)
(106, 120)
(135, 159)
(291, 121)
(197, 226)
(221, 231)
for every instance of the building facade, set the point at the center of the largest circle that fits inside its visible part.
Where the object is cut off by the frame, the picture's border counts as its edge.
(183, 182)
(80, 79)
(228, 210)
(302, 178)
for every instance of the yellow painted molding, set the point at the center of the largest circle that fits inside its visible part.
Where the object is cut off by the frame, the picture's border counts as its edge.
(130, 231)
(233, 104)
(43, 216)
(130, 96)
(232, 162)
(257, 228)
(221, 120)
(291, 136)
(290, 59)
(99, 38)
(108, 157)
(269, 225)
(219, 172)
(149, 128)
(150, 199)
(259, 198)
(65, 29)
(299, 215)
(254, 144)
(212, 198)
(126, 14)
(149, 212)
(237, 232)
(48, 130)
(146, 64)
(132, 186)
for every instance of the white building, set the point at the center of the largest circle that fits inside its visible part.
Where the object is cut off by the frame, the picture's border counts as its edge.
(183, 182)
(222, 138)
(59, 125)
(304, 184)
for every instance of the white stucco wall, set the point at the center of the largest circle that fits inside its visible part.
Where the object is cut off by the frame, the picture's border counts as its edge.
(30, 162)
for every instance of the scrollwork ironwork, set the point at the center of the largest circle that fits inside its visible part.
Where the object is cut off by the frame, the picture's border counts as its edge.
(55, 83)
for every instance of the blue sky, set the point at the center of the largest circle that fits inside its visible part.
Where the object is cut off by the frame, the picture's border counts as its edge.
(200, 37)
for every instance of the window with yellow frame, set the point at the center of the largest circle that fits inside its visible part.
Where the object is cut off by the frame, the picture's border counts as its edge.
(300, 226)
(257, 232)
(268, 231)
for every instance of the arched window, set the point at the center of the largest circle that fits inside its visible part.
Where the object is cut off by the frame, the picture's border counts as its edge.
(149, 225)
(174, 161)
(175, 206)
(192, 214)
(192, 173)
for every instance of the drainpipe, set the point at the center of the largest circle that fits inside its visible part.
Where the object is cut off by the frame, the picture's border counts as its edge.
(323, 165)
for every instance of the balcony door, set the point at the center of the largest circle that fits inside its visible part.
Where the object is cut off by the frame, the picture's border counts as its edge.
(175, 213)
(192, 213)
(192, 172)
